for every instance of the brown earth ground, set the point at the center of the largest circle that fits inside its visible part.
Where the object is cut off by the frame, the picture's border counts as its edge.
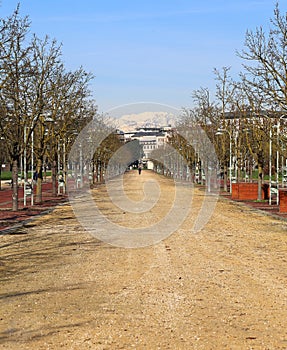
(223, 287)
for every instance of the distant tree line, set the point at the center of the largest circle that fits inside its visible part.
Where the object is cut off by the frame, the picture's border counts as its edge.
(43, 106)
(248, 115)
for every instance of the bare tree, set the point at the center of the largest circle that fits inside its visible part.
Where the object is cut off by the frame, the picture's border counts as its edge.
(225, 88)
(45, 58)
(14, 73)
(38, 97)
(266, 62)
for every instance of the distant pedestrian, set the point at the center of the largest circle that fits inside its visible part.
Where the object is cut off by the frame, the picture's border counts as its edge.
(140, 168)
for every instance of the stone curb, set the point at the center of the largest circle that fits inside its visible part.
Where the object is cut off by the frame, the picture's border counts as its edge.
(251, 208)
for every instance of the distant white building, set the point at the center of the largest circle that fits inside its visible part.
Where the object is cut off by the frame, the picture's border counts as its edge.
(150, 138)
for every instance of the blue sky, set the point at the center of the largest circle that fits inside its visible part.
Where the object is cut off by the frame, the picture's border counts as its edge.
(157, 51)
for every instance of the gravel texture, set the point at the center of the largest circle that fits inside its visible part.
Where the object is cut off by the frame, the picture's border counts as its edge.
(223, 287)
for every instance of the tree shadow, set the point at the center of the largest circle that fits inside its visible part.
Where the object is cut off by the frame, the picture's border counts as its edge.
(35, 253)
(76, 286)
(16, 335)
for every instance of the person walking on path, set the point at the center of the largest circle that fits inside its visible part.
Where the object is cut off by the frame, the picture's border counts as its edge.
(140, 168)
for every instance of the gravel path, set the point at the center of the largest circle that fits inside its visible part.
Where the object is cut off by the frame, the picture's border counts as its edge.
(221, 288)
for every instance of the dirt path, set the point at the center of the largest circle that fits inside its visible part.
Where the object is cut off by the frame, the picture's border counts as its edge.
(221, 288)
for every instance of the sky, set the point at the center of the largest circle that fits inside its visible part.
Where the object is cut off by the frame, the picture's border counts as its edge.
(147, 51)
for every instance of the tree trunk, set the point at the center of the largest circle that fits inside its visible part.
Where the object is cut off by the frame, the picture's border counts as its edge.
(39, 181)
(93, 172)
(15, 185)
(260, 174)
(54, 178)
(101, 172)
(225, 178)
(260, 178)
(45, 170)
(97, 171)
(65, 176)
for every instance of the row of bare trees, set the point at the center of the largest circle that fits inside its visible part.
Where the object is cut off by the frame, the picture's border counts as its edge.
(246, 116)
(43, 106)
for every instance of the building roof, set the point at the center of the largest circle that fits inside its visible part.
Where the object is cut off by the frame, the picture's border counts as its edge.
(144, 133)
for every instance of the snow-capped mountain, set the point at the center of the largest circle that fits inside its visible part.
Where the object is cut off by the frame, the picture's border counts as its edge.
(131, 122)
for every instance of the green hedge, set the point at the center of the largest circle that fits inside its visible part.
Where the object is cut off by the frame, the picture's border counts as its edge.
(7, 175)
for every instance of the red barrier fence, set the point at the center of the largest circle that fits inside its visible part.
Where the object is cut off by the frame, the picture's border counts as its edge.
(248, 191)
(283, 201)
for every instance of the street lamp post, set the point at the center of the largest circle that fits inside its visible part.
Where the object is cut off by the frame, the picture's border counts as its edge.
(28, 187)
(59, 165)
(32, 162)
(277, 158)
(64, 166)
(80, 179)
(270, 165)
(230, 163)
(1, 160)
(221, 132)
(25, 166)
(32, 167)
(277, 163)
